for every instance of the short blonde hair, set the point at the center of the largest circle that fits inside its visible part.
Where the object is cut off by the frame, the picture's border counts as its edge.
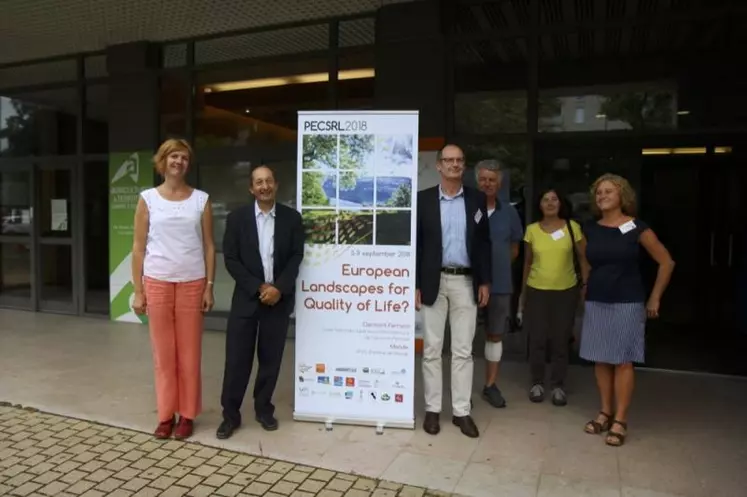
(626, 192)
(167, 148)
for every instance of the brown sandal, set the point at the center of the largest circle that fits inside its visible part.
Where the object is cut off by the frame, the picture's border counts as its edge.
(594, 427)
(615, 438)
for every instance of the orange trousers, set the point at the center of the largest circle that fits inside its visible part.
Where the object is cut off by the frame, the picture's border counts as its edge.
(175, 320)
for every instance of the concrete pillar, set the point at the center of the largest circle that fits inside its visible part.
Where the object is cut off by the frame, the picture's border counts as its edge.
(133, 97)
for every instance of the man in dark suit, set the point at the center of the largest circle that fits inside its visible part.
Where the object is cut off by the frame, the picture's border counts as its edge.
(263, 247)
(452, 278)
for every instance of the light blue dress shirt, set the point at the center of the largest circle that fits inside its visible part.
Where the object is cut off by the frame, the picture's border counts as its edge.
(453, 229)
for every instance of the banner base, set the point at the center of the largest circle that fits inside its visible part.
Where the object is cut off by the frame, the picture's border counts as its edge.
(378, 424)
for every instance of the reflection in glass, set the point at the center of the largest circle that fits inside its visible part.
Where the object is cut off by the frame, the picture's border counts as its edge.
(491, 112)
(15, 270)
(608, 109)
(55, 196)
(40, 123)
(56, 273)
(15, 203)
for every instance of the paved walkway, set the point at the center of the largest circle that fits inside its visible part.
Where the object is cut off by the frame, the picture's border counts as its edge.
(688, 434)
(55, 456)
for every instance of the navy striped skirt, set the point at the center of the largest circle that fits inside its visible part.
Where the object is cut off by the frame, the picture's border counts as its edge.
(614, 333)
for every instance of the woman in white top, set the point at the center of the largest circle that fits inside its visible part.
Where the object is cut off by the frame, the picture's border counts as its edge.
(173, 267)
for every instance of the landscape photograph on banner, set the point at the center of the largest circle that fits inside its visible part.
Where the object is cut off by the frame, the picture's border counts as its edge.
(356, 189)
(355, 293)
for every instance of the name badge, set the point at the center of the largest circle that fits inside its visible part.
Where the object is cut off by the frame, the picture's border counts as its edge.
(624, 228)
(478, 215)
(557, 235)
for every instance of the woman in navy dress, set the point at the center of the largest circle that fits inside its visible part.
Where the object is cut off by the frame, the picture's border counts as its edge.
(616, 306)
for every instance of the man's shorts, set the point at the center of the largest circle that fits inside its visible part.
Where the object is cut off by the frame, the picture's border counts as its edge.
(497, 315)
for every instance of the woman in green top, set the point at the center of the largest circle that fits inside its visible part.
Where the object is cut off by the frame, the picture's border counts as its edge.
(551, 290)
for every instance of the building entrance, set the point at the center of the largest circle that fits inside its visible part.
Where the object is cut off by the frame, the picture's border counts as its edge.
(693, 195)
(690, 192)
(38, 208)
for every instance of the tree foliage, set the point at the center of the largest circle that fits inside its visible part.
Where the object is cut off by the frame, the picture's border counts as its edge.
(322, 152)
(401, 197)
(17, 135)
(312, 192)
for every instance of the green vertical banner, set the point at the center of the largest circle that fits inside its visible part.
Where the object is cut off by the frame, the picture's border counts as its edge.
(129, 174)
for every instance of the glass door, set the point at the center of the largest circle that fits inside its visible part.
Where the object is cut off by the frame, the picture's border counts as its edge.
(692, 196)
(54, 228)
(16, 234)
(729, 323)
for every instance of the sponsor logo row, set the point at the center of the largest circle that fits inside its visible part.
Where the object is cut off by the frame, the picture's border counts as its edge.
(348, 381)
(321, 368)
(360, 395)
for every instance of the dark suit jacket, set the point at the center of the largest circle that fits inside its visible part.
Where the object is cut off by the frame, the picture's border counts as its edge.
(430, 246)
(243, 262)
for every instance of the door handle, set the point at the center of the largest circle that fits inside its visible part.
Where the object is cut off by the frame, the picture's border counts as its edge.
(713, 241)
(731, 246)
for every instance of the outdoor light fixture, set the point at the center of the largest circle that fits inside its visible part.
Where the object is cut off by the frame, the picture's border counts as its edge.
(320, 77)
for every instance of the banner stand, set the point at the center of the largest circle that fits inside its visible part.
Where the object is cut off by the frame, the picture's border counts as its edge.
(355, 292)
(330, 422)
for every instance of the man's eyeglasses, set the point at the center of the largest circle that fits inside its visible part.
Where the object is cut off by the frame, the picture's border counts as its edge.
(452, 160)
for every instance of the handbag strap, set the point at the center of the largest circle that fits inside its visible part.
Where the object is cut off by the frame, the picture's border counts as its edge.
(576, 262)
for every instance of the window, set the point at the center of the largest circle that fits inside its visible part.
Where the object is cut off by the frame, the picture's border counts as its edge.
(259, 104)
(491, 112)
(39, 123)
(609, 108)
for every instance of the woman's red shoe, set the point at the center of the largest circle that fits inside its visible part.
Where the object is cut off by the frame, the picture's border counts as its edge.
(164, 429)
(184, 429)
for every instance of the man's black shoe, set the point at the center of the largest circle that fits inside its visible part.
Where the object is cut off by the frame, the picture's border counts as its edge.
(225, 430)
(268, 422)
(466, 425)
(431, 424)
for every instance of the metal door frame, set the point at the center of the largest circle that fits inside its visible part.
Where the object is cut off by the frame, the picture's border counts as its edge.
(33, 167)
(70, 165)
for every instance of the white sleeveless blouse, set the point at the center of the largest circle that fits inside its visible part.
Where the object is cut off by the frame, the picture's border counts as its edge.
(174, 250)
